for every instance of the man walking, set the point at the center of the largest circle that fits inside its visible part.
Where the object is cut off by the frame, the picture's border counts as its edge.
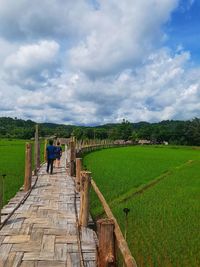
(51, 150)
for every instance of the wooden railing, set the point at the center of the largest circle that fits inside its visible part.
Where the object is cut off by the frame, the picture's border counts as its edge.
(28, 174)
(108, 229)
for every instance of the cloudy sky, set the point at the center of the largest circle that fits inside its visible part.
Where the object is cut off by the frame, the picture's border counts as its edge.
(90, 62)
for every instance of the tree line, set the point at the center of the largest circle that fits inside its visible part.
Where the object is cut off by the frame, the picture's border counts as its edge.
(173, 131)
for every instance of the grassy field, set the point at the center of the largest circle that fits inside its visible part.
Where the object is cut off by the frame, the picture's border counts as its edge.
(12, 164)
(164, 217)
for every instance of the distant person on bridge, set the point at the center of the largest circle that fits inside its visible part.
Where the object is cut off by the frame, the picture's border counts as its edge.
(51, 156)
(58, 154)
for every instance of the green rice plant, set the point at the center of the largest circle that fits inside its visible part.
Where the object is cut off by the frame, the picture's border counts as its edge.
(119, 172)
(164, 220)
(12, 164)
(163, 226)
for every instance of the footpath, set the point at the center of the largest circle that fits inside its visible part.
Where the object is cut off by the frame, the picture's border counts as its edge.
(43, 231)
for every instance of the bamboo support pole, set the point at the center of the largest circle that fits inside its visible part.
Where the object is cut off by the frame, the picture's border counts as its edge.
(78, 172)
(66, 156)
(121, 242)
(38, 155)
(72, 157)
(36, 152)
(84, 205)
(106, 251)
(1, 195)
(28, 167)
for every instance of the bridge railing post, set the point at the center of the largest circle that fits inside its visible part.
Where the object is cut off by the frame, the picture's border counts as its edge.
(1, 195)
(84, 201)
(72, 156)
(78, 172)
(36, 150)
(66, 156)
(106, 251)
(38, 155)
(28, 167)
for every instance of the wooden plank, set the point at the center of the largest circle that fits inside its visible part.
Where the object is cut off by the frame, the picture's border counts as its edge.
(51, 264)
(61, 252)
(1, 239)
(6, 210)
(56, 231)
(66, 239)
(25, 229)
(31, 246)
(37, 220)
(31, 256)
(37, 235)
(90, 263)
(15, 239)
(5, 232)
(73, 259)
(89, 256)
(10, 259)
(4, 253)
(47, 247)
(28, 264)
(17, 223)
(87, 235)
(14, 259)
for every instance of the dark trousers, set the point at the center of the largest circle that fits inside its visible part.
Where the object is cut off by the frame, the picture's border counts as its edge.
(50, 164)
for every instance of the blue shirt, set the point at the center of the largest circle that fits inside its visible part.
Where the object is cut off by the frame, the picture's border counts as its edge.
(51, 152)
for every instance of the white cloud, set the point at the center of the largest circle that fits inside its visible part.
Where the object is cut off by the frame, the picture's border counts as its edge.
(68, 61)
(25, 19)
(6, 48)
(122, 33)
(30, 56)
(31, 64)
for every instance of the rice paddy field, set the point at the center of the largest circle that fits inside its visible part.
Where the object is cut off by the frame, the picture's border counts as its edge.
(161, 187)
(12, 164)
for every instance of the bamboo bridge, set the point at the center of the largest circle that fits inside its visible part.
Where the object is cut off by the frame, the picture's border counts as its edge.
(47, 223)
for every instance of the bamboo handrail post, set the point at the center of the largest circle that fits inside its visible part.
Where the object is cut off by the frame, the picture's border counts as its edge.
(66, 156)
(72, 156)
(78, 172)
(1, 195)
(28, 167)
(84, 205)
(106, 255)
(38, 154)
(81, 196)
(36, 145)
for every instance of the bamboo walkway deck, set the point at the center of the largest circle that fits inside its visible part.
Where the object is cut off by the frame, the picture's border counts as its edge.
(43, 231)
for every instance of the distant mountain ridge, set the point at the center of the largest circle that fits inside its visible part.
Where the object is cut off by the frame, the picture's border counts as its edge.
(19, 128)
(173, 131)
